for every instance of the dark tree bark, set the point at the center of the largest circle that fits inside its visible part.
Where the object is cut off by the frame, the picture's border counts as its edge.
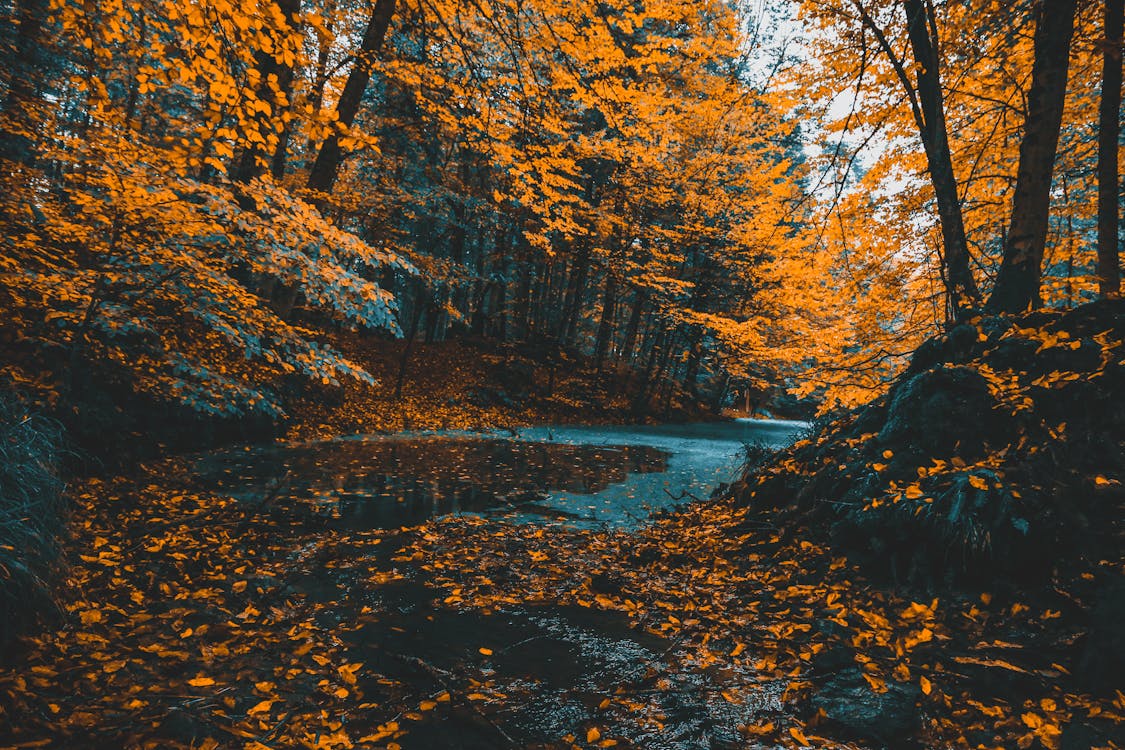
(695, 359)
(1017, 283)
(575, 289)
(521, 302)
(632, 328)
(605, 326)
(323, 174)
(285, 75)
(250, 164)
(962, 289)
(1109, 131)
(415, 320)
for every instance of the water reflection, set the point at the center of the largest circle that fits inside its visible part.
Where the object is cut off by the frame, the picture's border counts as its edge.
(400, 481)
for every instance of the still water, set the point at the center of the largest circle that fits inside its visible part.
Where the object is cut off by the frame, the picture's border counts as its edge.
(600, 476)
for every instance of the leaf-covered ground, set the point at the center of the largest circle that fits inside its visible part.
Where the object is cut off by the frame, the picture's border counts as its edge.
(468, 384)
(192, 621)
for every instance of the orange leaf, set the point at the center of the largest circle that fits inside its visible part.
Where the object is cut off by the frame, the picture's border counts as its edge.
(262, 708)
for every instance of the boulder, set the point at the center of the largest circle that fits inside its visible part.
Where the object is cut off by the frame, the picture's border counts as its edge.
(884, 719)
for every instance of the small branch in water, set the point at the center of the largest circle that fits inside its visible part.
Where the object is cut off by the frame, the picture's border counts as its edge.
(443, 678)
(683, 494)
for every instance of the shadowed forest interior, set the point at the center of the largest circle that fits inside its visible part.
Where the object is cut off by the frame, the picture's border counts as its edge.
(541, 373)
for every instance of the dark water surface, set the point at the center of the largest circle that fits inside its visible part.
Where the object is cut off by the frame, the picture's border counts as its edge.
(590, 476)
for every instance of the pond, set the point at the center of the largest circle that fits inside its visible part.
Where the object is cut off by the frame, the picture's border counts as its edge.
(592, 476)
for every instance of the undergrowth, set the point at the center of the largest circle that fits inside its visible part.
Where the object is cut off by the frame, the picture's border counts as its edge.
(32, 516)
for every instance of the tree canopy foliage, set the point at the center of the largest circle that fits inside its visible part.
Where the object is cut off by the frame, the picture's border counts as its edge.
(712, 193)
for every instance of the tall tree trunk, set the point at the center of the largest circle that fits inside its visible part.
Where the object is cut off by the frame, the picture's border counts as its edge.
(415, 319)
(292, 11)
(1109, 131)
(574, 292)
(252, 162)
(605, 326)
(632, 328)
(539, 296)
(521, 302)
(320, 75)
(962, 289)
(1017, 283)
(323, 174)
(695, 360)
(501, 313)
(647, 374)
(253, 159)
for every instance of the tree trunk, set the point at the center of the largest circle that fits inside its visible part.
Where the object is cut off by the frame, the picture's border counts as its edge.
(962, 289)
(521, 304)
(605, 327)
(574, 292)
(695, 359)
(1017, 283)
(415, 319)
(253, 159)
(1109, 130)
(292, 11)
(323, 174)
(632, 328)
(500, 313)
(647, 374)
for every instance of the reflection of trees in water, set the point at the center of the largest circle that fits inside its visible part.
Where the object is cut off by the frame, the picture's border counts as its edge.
(390, 483)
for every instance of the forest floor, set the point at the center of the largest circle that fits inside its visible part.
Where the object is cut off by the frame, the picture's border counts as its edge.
(193, 621)
(474, 384)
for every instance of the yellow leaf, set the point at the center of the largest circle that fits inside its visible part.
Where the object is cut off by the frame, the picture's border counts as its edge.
(486, 651)
(262, 708)
(925, 685)
(200, 681)
(877, 684)
(798, 735)
(593, 735)
(427, 705)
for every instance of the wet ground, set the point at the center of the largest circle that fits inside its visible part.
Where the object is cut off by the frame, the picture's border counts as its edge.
(584, 476)
(514, 676)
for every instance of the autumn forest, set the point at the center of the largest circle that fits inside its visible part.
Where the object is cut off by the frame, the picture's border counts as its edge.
(550, 374)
